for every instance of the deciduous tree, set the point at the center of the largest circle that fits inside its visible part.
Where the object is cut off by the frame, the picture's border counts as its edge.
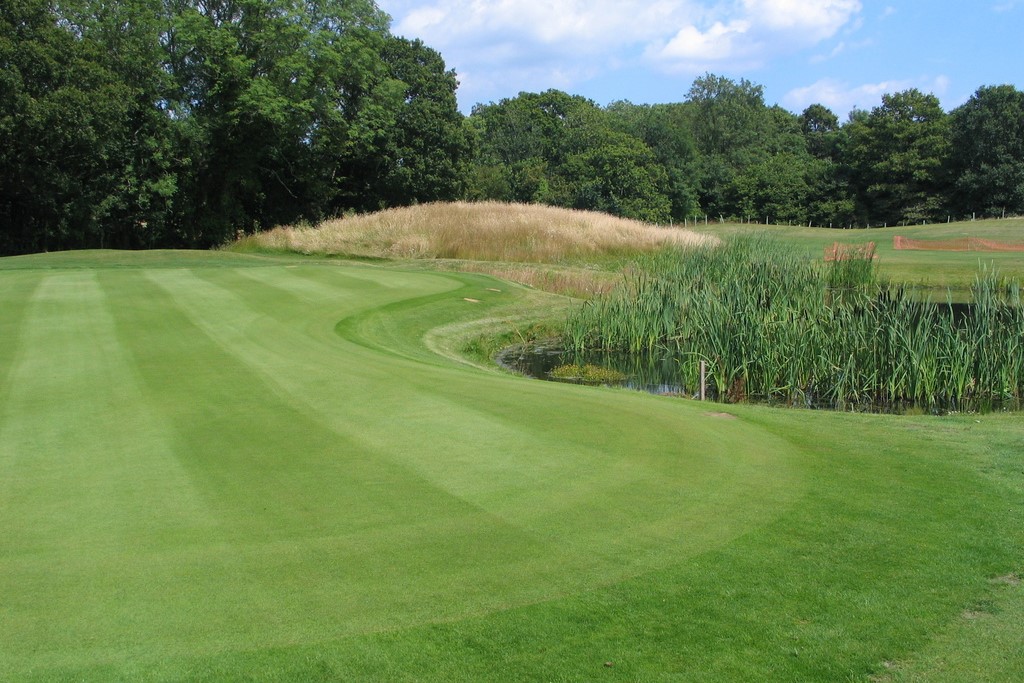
(987, 152)
(897, 154)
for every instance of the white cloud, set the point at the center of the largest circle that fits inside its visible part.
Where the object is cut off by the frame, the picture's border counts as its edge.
(571, 24)
(812, 21)
(423, 20)
(940, 85)
(752, 31)
(719, 42)
(841, 48)
(500, 47)
(536, 44)
(842, 97)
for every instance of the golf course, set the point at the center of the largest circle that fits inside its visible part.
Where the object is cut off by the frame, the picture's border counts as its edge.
(227, 466)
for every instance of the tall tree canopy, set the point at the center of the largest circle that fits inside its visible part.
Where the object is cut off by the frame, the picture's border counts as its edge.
(987, 152)
(739, 139)
(898, 154)
(664, 128)
(725, 152)
(147, 123)
(426, 155)
(561, 149)
(81, 162)
(184, 122)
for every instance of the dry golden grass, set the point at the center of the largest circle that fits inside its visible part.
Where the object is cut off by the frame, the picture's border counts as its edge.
(570, 281)
(486, 231)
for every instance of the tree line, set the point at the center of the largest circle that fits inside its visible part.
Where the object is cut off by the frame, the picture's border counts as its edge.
(149, 123)
(168, 123)
(724, 152)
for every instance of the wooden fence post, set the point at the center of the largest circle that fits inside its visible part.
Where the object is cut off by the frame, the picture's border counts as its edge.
(703, 379)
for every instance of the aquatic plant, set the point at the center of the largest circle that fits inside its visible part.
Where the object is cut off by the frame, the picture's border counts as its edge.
(778, 325)
(587, 374)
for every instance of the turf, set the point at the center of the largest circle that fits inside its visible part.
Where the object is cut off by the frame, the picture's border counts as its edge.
(224, 467)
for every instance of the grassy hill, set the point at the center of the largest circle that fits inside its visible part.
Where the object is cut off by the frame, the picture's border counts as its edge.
(481, 231)
(557, 250)
(219, 466)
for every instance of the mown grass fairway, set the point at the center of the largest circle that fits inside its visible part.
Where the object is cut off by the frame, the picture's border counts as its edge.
(223, 467)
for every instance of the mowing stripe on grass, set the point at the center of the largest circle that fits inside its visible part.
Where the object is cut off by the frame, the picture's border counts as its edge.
(87, 469)
(273, 478)
(16, 295)
(491, 457)
(305, 535)
(74, 420)
(326, 488)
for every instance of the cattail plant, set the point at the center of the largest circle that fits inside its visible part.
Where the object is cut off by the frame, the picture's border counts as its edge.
(776, 325)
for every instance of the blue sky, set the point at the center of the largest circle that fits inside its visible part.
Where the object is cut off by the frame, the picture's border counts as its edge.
(841, 53)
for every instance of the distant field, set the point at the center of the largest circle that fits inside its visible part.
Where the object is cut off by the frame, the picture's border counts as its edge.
(934, 268)
(226, 467)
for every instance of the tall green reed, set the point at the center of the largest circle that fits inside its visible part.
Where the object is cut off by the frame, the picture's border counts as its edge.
(776, 325)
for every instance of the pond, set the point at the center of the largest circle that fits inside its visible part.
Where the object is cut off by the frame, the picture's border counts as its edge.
(653, 373)
(660, 373)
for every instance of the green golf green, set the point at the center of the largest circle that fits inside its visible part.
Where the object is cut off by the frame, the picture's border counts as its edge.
(224, 467)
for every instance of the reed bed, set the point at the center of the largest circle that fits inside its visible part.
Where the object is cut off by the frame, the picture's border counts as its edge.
(779, 326)
(484, 231)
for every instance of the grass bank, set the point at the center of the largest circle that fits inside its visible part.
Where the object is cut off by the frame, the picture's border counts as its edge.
(226, 467)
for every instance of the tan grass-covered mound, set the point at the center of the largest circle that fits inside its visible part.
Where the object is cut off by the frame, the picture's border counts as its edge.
(486, 231)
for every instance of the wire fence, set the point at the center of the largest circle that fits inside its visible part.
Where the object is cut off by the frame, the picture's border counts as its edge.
(957, 244)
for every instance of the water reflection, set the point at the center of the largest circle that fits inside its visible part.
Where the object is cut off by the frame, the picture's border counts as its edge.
(659, 373)
(651, 372)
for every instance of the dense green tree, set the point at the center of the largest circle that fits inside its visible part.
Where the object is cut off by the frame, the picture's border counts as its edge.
(530, 136)
(283, 107)
(184, 122)
(829, 197)
(776, 189)
(560, 149)
(897, 154)
(618, 174)
(820, 127)
(987, 152)
(83, 161)
(663, 128)
(512, 147)
(733, 131)
(723, 120)
(137, 210)
(727, 118)
(426, 154)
